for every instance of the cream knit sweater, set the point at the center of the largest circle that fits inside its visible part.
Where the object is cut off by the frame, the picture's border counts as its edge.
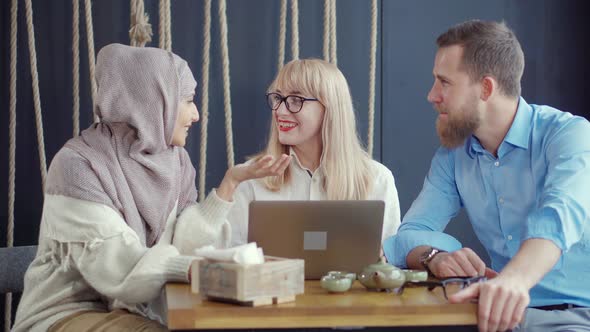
(89, 259)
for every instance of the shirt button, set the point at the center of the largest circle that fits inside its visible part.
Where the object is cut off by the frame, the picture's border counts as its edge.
(497, 163)
(501, 200)
(509, 237)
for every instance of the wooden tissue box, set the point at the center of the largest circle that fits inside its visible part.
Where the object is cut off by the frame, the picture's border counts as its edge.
(277, 280)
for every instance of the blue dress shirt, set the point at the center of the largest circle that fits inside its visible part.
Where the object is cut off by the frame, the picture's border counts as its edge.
(537, 187)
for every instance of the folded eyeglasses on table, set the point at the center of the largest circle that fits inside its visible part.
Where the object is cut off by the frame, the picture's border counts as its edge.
(449, 286)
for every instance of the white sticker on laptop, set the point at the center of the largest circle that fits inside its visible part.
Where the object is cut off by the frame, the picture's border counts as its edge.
(315, 240)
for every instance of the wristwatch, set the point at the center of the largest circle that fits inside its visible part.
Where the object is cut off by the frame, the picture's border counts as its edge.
(427, 256)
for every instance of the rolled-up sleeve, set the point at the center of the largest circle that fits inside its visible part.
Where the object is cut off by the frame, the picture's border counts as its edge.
(436, 205)
(563, 205)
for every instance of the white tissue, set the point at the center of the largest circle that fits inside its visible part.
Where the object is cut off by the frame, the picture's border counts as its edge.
(244, 254)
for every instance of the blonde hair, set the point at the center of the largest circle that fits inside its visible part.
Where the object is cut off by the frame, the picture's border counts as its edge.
(345, 163)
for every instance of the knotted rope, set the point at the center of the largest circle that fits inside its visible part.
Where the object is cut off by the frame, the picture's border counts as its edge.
(140, 30)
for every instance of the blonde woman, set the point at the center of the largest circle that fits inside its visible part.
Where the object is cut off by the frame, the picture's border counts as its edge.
(313, 124)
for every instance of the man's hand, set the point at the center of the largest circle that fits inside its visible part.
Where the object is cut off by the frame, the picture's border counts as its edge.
(461, 263)
(503, 299)
(502, 302)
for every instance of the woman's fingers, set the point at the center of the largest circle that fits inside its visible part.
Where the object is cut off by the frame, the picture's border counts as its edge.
(281, 164)
(268, 166)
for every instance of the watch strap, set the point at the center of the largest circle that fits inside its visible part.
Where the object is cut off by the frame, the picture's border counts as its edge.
(427, 256)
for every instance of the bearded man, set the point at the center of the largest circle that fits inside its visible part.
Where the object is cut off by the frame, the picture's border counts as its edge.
(522, 173)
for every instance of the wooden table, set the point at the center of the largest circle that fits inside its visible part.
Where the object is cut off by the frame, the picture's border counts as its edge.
(317, 308)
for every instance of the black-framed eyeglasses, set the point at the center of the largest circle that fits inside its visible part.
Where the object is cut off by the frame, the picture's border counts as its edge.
(450, 286)
(294, 103)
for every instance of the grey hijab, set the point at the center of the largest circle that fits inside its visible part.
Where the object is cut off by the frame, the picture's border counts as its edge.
(130, 151)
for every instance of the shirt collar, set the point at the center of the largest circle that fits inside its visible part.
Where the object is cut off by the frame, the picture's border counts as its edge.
(518, 134)
(296, 159)
(473, 147)
(297, 162)
(520, 131)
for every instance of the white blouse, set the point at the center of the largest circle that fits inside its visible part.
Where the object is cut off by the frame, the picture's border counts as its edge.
(307, 185)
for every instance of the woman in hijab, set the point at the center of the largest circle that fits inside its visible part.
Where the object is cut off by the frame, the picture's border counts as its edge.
(120, 217)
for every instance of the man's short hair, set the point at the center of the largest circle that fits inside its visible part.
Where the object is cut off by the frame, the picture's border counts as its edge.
(489, 49)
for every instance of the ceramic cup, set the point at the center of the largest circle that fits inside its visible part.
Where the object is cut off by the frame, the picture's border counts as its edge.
(343, 274)
(337, 281)
(416, 275)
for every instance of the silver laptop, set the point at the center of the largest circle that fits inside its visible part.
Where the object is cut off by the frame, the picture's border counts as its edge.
(328, 235)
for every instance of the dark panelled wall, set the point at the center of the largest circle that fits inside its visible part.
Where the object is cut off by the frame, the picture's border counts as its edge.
(552, 33)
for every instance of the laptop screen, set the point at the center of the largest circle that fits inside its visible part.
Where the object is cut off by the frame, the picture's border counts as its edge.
(328, 235)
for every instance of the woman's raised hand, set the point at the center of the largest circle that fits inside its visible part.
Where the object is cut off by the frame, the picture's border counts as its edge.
(262, 167)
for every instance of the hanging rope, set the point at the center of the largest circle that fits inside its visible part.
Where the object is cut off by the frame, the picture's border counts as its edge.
(36, 95)
(327, 21)
(372, 66)
(165, 33)
(11, 152)
(205, 99)
(282, 34)
(226, 84)
(140, 30)
(333, 46)
(12, 125)
(91, 56)
(162, 25)
(168, 27)
(295, 29)
(329, 45)
(76, 66)
(132, 11)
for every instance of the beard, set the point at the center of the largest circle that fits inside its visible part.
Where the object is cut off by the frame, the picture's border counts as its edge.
(458, 125)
